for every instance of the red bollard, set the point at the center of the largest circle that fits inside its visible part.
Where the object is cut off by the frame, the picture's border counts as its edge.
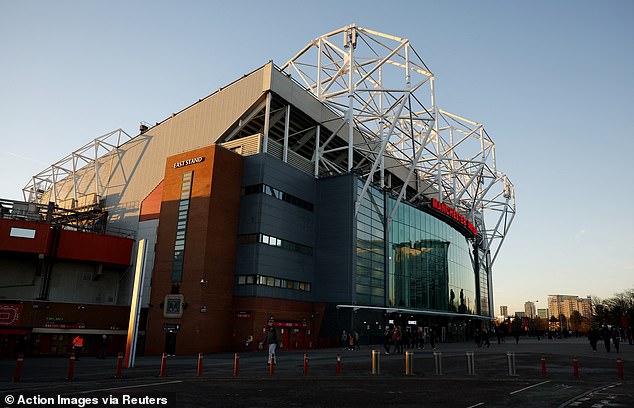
(200, 364)
(18, 368)
(117, 373)
(619, 367)
(543, 366)
(236, 364)
(71, 367)
(305, 364)
(575, 367)
(272, 365)
(163, 371)
(338, 369)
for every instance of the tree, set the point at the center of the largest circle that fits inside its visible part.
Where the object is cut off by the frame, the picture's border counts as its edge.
(617, 310)
(576, 321)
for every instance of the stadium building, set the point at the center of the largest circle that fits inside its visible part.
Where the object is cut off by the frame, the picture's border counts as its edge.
(329, 194)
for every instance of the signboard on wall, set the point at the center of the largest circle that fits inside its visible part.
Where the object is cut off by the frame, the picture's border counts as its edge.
(10, 314)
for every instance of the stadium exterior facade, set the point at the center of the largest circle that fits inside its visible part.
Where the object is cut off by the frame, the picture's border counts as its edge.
(317, 197)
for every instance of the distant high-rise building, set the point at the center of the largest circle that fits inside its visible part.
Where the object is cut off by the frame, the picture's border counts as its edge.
(504, 310)
(566, 304)
(529, 310)
(585, 306)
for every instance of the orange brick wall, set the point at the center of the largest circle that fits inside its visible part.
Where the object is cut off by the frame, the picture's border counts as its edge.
(210, 249)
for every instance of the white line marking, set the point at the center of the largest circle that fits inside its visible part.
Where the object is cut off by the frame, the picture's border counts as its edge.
(125, 387)
(530, 386)
(476, 405)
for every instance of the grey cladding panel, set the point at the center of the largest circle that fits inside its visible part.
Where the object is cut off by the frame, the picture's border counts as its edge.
(334, 247)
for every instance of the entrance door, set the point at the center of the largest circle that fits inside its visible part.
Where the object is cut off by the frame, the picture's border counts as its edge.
(294, 338)
(170, 343)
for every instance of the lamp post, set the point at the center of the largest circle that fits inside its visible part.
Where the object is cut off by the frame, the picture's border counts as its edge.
(534, 319)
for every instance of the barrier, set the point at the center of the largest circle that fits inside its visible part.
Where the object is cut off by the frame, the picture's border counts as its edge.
(18, 368)
(305, 364)
(376, 362)
(619, 368)
(409, 362)
(470, 363)
(543, 366)
(338, 366)
(163, 371)
(71, 367)
(438, 362)
(117, 373)
(199, 367)
(575, 367)
(510, 362)
(236, 364)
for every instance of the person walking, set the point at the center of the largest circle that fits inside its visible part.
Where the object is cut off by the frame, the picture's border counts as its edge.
(103, 347)
(387, 340)
(271, 340)
(605, 334)
(593, 336)
(78, 345)
(432, 338)
(344, 340)
(616, 338)
(485, 338)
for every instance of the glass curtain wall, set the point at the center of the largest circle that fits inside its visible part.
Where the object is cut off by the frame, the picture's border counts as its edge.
(428, 264)
(370, 259)
(485, 310)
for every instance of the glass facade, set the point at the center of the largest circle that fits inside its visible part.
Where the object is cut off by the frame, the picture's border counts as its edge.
(370, 279)
(421, 262)
(181, 227)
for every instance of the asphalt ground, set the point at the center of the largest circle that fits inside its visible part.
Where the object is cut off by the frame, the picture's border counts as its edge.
(489, 384)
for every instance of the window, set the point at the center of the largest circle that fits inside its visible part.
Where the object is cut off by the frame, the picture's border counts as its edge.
(272, 282)
(277, 194)
(276, 242)
(181, 228)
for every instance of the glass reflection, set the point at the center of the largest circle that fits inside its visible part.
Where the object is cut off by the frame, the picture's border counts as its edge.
(429, 264)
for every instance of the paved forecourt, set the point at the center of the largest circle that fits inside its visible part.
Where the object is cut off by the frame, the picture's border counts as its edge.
(531, 373)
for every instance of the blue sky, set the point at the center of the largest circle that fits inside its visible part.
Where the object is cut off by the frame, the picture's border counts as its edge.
(552, 82)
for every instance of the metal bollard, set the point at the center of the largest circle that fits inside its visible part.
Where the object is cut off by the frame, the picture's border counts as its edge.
(71, 367)
(338, 367)
(376, 362)
(163, 371)
(18, 368)
(543, 366)
(305, 364)
(199, 367)
(236, 364)
(619, 368)
(510, 361)
(438, 362)
(117, 373)
(575, 367)
(409, 362)
(470, 363)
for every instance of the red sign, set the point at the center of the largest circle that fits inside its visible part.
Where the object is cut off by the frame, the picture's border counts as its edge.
(10, 314)
(453, 213)
(243, 315)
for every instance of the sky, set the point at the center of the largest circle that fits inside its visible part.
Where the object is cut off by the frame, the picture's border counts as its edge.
(553, 83)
